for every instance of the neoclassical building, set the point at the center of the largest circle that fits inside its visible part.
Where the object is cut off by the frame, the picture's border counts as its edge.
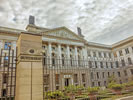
(67, 58)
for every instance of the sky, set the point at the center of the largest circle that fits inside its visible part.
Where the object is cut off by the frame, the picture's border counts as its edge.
(101, 21)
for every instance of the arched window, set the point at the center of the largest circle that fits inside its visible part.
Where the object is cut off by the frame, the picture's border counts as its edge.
(123, 62)
(129, 61)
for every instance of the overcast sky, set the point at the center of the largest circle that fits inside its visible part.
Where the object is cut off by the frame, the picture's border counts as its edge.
(101, 21)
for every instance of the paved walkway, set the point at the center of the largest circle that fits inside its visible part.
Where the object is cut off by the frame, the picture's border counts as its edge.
(126, 98)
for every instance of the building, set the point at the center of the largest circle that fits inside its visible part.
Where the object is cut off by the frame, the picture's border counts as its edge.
(68, 59)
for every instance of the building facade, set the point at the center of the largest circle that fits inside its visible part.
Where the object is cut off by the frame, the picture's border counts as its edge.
(68, 59)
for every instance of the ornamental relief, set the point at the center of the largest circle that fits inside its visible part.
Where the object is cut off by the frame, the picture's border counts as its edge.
(63, 34)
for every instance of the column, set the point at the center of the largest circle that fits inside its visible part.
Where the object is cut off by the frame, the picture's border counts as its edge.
(59, 55)
(85, 56)
(76, 56)
(68, 55)
(49, 54)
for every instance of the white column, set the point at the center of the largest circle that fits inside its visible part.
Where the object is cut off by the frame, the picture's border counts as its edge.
(76, 56)
(49, 54)
(68, 52)
(59, 55)
(85, 56)
(68, 55)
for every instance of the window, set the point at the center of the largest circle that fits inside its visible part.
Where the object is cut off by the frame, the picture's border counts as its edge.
(109, 55)
(129, 61)
(119, 74)
(108, 74)
(4, 78)
(117, 64)
(92, 75)
(6, 61)
(98, 75)
(115, 55)
(127, 51)
(89, 53)
(83, 77)
(101, 64)
(4, 92)
(104, 83)
(120, 53)
(104, 55)
(94, 54)
(99, 83)
(111, 64)
(46, 79)
(53, 59)
(103, 74)
(57, 77)
(44, 59)
(123, 62)
(95, 64)
(93, 84)
(63, 61)
(131, 71)
(7, 45)
(106, 64)
(90, 64)
(75, 78)
(125, 72)
(53, 48)
(99, 54)
(62, 49)
(120, 82)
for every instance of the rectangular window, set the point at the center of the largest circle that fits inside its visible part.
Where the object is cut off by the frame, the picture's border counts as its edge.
(108, 74)
(89, 53)
(99, 54)
(109, 55)
(101, 64)
(46, 79)
(106, 64)
(99, 83)
(105, 55)
(7, 45)
(115, 55)
(75, 78)
(111, 64)
(131, 71)
(4, 93)
(97, 75)
(90, 64)
(92, 75)
(83, 77)
(57, 78)
(120, 53)
(117, 64)
(95, 64)
(127, 51)
(125, 72)
(94, 54)
(103, 74)
(93, 84)
(119, 74)
(4, 78)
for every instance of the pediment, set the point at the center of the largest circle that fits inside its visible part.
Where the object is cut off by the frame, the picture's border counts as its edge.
(63, 32)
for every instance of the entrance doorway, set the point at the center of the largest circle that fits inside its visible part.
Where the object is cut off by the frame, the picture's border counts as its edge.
(67, 81)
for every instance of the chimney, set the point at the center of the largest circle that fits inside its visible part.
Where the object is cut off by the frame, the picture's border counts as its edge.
(32, 20)
(79, 32)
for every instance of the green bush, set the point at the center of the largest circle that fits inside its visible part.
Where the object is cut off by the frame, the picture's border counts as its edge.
(115, 86)
(93, 90)
(54, 95)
